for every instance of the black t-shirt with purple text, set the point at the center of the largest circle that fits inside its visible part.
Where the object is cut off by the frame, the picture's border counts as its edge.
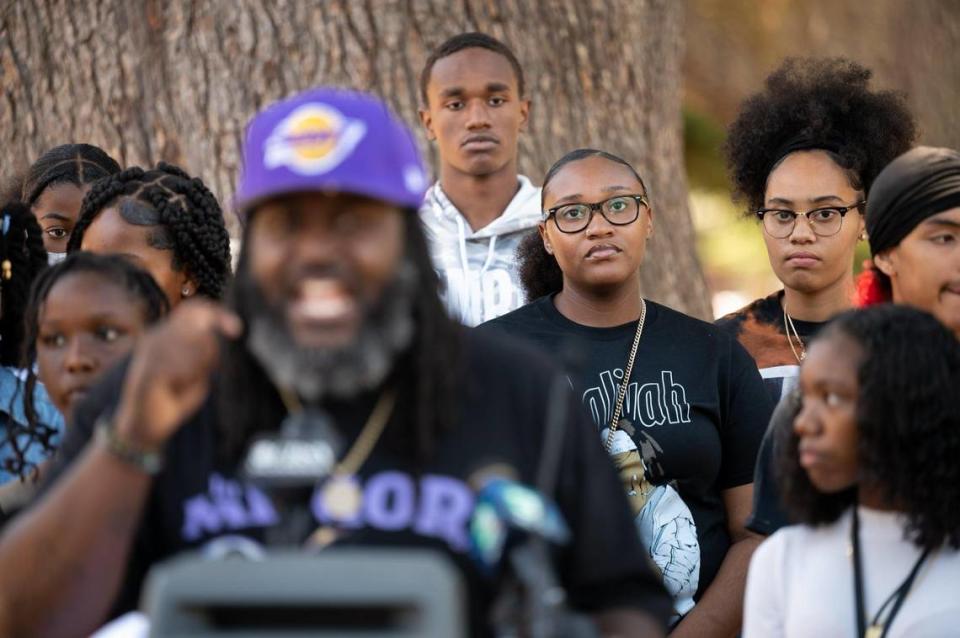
(199, 499)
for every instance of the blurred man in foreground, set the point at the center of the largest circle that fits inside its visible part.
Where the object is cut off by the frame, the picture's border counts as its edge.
(335, 312)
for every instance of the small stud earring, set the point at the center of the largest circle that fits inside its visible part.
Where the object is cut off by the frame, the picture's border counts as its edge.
(185, 291)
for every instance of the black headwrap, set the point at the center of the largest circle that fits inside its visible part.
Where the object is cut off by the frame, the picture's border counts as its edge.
(920, 183)
(808, 140)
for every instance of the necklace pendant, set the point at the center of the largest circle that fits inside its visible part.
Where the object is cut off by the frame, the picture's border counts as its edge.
(323, 537)
(873, 631)
(342, 498)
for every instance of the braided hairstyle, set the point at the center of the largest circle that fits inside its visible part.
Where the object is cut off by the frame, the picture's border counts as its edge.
(114, 270)
(21, 245)
(77, 164)
(187, 216)
(22, 258)
(828, 103)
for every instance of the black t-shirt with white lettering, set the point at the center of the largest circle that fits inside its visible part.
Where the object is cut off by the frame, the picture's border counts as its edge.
(698, 410)
(198, 499)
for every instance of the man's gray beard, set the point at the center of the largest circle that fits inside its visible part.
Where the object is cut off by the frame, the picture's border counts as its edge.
(319, 373)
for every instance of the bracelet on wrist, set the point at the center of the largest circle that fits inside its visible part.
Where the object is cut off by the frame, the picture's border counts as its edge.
(149, 462)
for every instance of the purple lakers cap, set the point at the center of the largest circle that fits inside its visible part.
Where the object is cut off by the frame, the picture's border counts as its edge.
(330, 140)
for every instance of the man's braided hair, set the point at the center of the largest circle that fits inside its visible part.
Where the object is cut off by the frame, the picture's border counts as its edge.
(188, 218)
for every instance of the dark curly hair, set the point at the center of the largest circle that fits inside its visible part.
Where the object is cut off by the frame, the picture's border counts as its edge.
(21, 246)
(472, 40)
(77, 164)
(187, 216)
(111, 268)
(826, 103)
(908, 422)
(540, 275)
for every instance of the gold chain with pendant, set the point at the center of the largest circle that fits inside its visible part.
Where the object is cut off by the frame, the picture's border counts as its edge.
(340, 495)
(621, 395)
(788, 324)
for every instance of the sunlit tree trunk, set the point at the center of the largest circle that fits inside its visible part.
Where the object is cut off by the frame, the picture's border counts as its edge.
(177, 79)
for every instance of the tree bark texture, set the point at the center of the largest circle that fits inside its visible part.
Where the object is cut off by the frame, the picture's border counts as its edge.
(176, 80)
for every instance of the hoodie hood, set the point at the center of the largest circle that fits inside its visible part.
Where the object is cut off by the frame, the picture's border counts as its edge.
(478, 268)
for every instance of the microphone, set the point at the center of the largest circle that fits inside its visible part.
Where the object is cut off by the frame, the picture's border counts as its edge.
(512, 531)
(287, 465)
(507, 512)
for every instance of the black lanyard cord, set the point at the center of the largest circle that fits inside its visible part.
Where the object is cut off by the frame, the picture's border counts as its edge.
(898, 595)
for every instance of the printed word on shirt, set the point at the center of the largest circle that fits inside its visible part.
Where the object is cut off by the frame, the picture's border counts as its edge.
(650, 404)
(430, 505)
(488, 293)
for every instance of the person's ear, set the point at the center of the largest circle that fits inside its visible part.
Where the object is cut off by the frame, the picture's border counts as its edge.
(525, 106)
(885, 262)
(649, 223)
(426, 119)
(547, 246)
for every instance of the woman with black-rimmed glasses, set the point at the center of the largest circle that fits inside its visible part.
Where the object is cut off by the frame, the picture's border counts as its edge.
(802, 155)
(685, 426)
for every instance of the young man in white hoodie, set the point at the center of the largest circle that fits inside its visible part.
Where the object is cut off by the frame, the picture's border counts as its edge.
(479, 209)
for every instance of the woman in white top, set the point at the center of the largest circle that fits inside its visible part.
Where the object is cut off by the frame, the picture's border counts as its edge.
(870, 470)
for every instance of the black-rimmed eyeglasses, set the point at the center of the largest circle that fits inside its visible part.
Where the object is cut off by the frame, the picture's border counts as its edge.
(619, 211)
(780, 222)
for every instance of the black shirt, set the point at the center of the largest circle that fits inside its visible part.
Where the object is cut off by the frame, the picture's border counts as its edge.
(698, 410)
(197, 498)
(761, 329)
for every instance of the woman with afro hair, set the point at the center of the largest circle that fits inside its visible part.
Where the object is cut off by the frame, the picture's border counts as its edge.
(868, 467)
(163, 220)
(802, 155)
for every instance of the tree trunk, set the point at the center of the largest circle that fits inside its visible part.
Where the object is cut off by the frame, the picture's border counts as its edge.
(176, 80)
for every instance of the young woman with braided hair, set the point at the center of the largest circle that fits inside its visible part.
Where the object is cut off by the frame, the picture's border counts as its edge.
(82, 316)
(54, 186)
(163, 220)
(22, 258)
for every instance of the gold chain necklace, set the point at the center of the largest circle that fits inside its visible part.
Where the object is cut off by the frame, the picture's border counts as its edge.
(621, 395)
(788, 324)
(341, 495)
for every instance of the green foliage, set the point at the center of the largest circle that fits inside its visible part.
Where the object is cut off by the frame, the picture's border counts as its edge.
(702, 138)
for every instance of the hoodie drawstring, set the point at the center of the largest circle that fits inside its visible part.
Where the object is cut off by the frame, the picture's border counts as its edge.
(465, 265)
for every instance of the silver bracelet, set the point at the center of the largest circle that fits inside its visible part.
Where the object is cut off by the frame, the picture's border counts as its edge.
(148, 462)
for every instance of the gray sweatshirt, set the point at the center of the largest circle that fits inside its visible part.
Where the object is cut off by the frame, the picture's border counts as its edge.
(478, 269)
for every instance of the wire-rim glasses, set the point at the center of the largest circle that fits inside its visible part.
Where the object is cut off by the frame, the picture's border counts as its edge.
(621, 210)
(825, 221)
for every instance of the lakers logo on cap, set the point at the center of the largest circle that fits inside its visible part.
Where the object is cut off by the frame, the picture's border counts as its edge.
(313, 139)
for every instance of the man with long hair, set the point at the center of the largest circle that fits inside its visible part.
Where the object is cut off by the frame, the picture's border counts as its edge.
(334, 312)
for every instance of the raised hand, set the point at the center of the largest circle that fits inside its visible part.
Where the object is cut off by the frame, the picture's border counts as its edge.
(169, 375)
